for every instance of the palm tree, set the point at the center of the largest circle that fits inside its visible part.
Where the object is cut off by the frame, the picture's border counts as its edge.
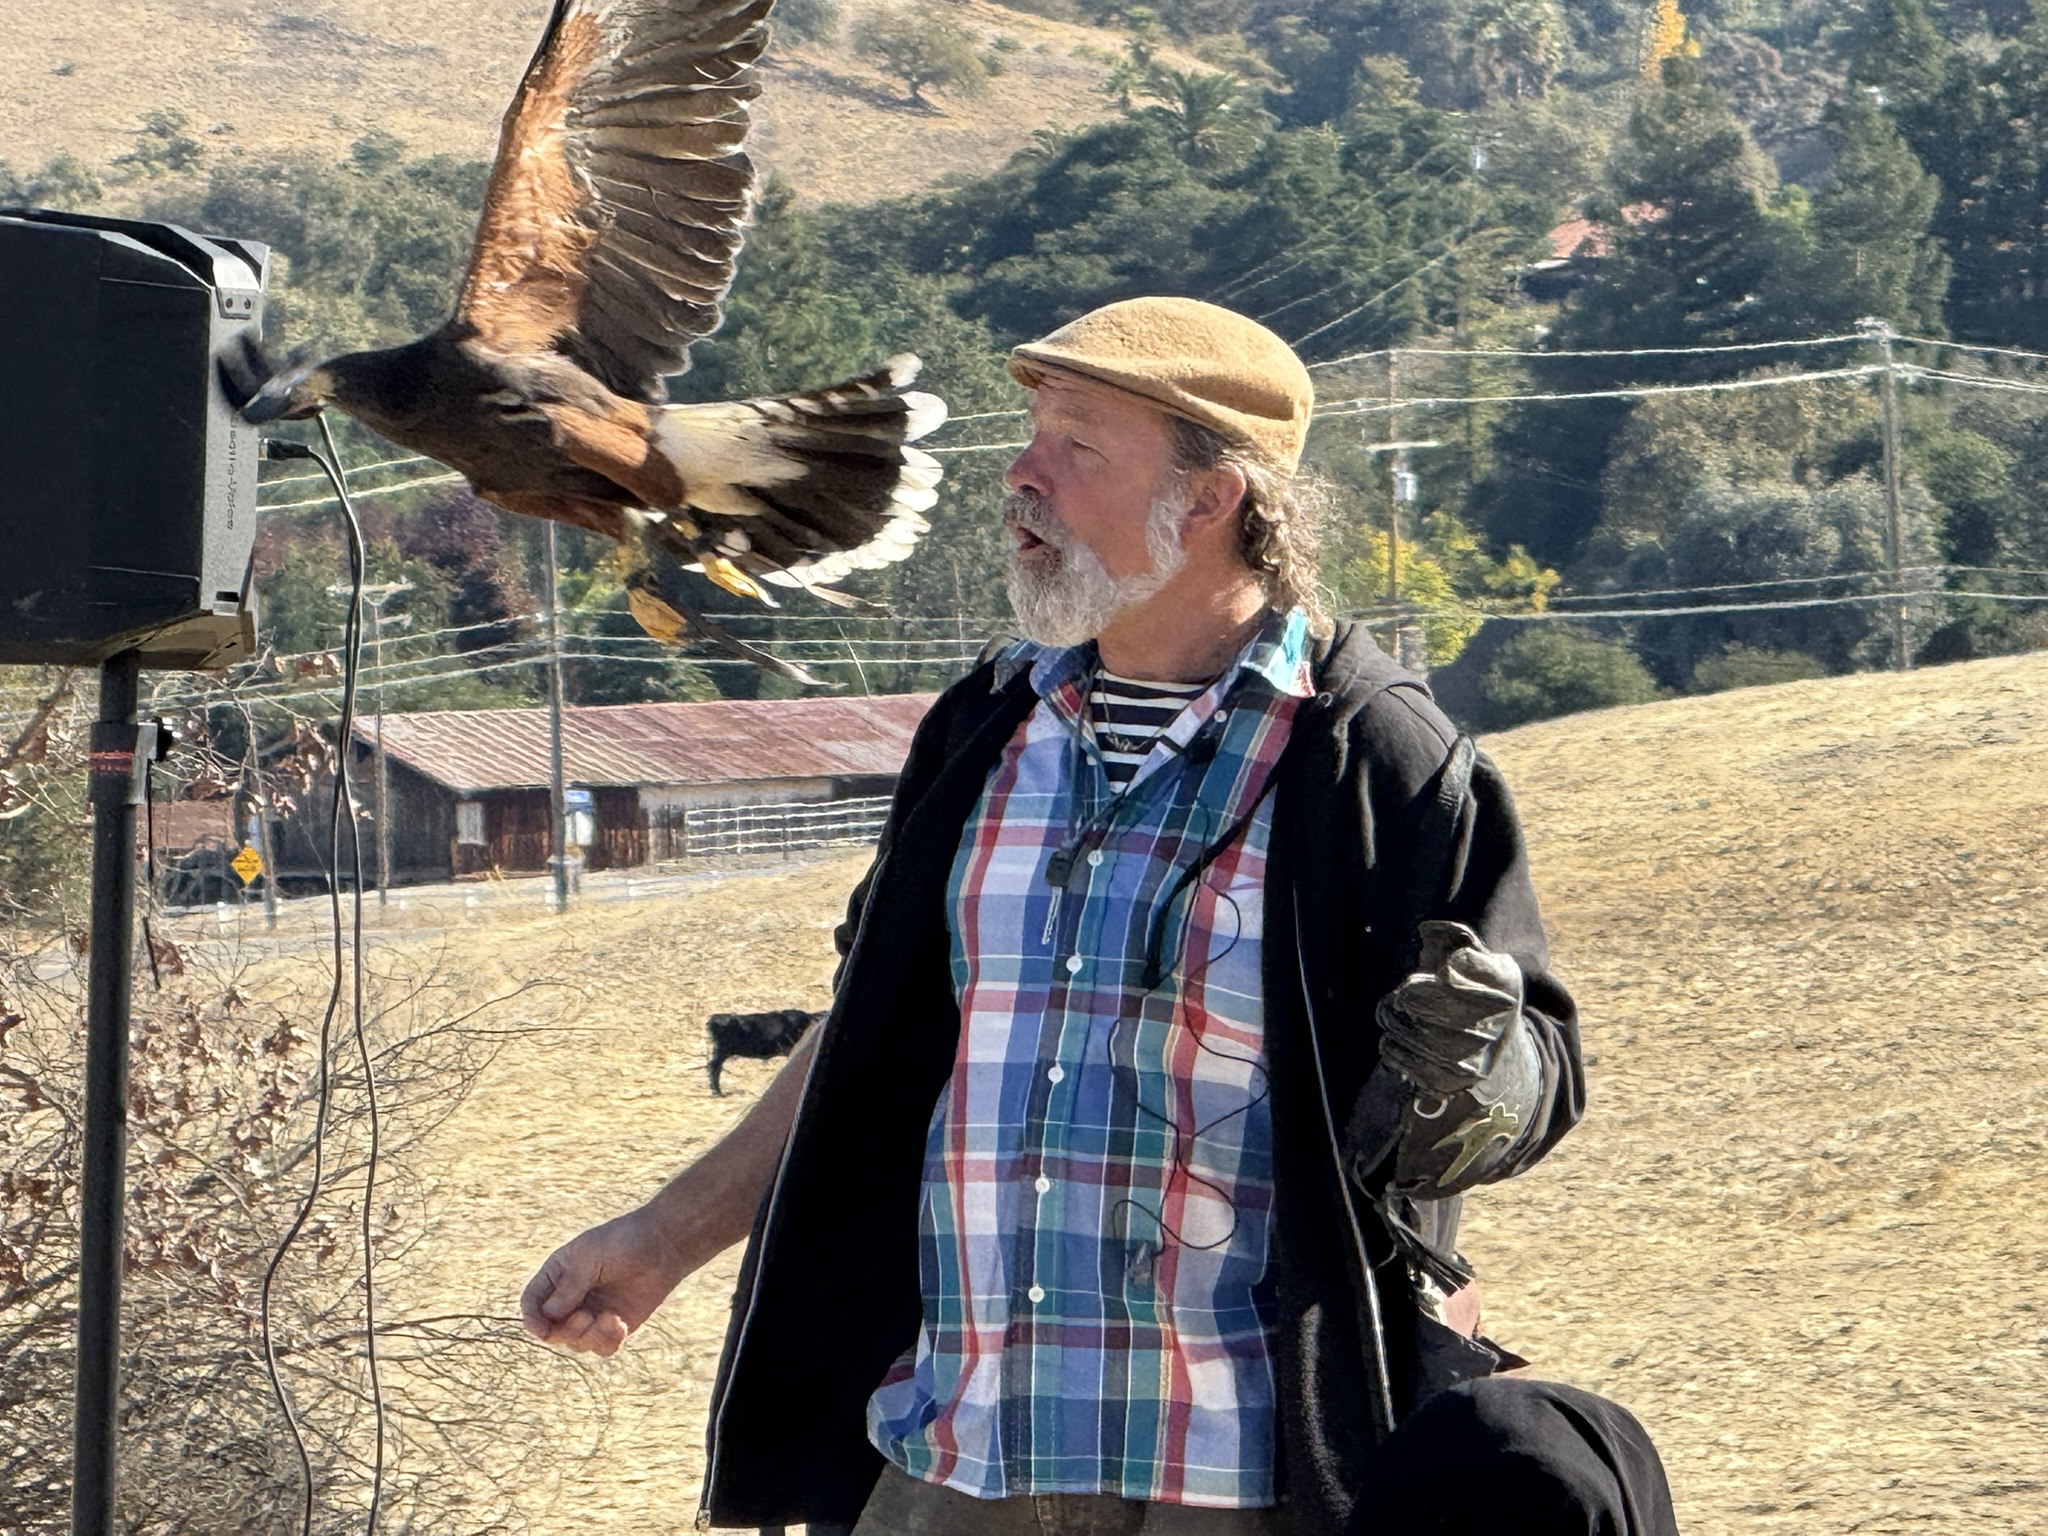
(1209, 116)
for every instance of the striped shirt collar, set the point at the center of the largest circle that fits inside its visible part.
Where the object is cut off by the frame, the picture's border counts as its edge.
(1277, 656)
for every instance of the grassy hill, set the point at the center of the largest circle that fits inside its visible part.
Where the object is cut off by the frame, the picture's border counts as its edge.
(254, 77)
(1798, 1231)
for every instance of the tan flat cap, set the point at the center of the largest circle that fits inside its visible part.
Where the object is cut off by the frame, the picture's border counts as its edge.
(1200, 361)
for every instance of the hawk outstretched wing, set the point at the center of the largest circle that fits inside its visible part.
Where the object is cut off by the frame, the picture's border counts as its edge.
(620, 193)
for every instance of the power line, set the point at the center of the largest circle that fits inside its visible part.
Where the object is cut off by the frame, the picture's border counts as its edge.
(1973, 380)
(979, 448)
(1778, 605)
(954, 421)
(1703, 350)
(382, 490)
(1383, 295)
(1368, 405)
(1965, 346)
(1743, 586)
(360, 469)
(847, 653)
(1244, 282)
(1452, 244)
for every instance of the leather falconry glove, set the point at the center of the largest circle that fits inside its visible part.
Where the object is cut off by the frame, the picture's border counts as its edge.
(1442, 1028)
(1459, 1073)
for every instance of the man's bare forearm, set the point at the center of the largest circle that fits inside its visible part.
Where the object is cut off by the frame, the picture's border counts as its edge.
(710, 1205)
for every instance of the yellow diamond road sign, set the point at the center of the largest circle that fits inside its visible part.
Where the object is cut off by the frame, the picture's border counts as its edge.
(248, 864)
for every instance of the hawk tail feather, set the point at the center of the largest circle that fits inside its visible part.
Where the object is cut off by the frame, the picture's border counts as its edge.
(801, 489)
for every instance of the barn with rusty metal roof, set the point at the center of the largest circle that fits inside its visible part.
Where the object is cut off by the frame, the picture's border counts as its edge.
(649, 782)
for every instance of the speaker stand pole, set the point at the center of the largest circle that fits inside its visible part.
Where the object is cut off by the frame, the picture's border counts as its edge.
(121, 750)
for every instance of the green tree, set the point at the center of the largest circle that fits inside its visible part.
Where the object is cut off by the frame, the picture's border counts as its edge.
(1973, 478)
(1701, 250)
(1741, 666)
(1670, 447)
(162, 147)
(1895, 48)
(372, 249)
(1695, 243)
(1980, 127)
(1868, 250)
(1784, 534)
(1514, 48)
(922, 46)
(1190, 19)
(1330, 53)
(809, 21)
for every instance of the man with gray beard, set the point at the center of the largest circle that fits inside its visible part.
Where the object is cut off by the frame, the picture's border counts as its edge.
(1198, 974)
(1073, 601)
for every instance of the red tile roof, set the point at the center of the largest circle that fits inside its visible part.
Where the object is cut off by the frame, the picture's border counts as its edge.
(1582, 237)
(1576, 237)
(726, 741)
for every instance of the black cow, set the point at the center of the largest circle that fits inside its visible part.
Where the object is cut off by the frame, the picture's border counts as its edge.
(757, 1035)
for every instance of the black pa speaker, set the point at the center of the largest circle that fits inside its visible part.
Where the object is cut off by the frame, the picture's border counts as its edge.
(127, 478)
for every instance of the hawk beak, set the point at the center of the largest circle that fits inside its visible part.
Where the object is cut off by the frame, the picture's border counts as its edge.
(267, 405)
(263, 392)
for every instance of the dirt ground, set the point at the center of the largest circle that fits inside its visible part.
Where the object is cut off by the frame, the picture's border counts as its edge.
(1799, 1231)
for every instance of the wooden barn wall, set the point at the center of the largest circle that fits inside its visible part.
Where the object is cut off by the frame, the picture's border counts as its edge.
(422, 824)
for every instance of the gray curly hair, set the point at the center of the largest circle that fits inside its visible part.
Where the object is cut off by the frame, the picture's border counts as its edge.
(1280, 527)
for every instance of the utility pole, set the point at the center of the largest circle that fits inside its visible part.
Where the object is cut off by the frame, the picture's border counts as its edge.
(1404, 485)
(1394, 492)
(374, 599)
(1895, 528)
(558, 830)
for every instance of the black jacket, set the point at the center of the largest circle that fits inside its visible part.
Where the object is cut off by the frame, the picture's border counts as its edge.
(828, 1296)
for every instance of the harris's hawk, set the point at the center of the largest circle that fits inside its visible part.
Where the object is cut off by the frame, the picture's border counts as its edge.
(610, 226)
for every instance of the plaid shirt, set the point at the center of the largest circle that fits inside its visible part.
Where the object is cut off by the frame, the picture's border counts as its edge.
(1098, 1173)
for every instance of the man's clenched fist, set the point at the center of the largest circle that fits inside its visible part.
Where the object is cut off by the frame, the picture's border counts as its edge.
(596, 1289)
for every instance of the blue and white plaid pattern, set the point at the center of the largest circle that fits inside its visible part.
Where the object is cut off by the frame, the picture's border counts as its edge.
(1098, 1178)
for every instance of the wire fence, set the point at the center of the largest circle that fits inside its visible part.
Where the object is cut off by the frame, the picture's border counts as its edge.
(738, 831)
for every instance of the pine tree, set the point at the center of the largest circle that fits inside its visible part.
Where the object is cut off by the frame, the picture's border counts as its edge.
(1896, 50)
(1697, 259)
(1695, 252)
(1871, 253)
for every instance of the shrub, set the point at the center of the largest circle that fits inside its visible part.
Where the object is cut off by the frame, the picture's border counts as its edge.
(1551, 670)
(65, 181)
(809, 21)
(1742, 666)
(221, 1071)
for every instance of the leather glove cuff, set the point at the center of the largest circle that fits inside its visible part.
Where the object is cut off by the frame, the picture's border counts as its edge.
(1448, 1144)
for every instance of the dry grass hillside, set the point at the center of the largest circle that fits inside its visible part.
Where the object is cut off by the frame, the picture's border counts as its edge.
(256, 77)
(1799, 1232)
